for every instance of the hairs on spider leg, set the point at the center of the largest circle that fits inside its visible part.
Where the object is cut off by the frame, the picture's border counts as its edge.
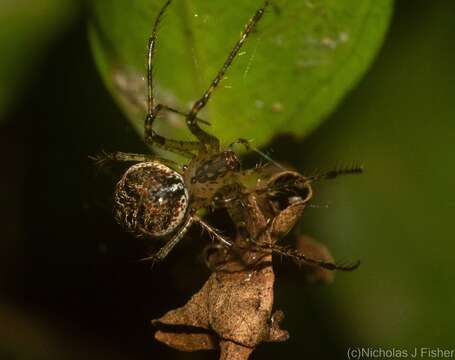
(332, 174)
(212, 231)
(303, 259)
(297, 256)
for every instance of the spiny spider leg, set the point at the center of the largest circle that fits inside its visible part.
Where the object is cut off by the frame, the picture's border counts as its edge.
(182, 147)
(295, 254)
(212, 232)
(276, 249)
(103, 158)
(167, 248)
(299, 257)
(332, 174)
(207, 139)
(302, 258)
(353, 170)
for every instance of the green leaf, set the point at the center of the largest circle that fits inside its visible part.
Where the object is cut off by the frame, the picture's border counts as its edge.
(292, 72)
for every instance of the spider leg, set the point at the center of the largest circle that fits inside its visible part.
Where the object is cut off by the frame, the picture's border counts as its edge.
(150, 53)
(354, 169)
(166, 249)
(207, 139)
(212, 231)
(104, 158)
(181, 113)
(184, 148)
(296, 255)
(302, 258)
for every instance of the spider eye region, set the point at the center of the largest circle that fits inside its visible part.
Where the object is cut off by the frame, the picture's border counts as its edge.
(151, 200)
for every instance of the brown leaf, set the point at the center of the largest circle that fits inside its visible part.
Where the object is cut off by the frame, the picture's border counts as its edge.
(234, 305)
(286, 220)
(187, 341)
(233, 310)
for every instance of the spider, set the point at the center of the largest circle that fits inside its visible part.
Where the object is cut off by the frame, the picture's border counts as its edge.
(158, 198)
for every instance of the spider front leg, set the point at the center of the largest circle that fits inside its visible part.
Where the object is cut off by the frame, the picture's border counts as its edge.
(210, 142)
(184, 148)
(104, 158)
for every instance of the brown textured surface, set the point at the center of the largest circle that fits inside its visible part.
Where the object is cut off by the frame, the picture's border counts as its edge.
(234, 305)
(232, 312)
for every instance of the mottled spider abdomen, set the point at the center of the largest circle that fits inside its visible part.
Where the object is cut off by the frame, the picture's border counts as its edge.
(150, 200)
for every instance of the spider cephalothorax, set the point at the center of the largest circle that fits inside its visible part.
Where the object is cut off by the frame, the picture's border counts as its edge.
(205, 177)
(159, 198)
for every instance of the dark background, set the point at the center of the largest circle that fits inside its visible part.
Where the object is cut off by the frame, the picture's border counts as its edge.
(69, 286)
